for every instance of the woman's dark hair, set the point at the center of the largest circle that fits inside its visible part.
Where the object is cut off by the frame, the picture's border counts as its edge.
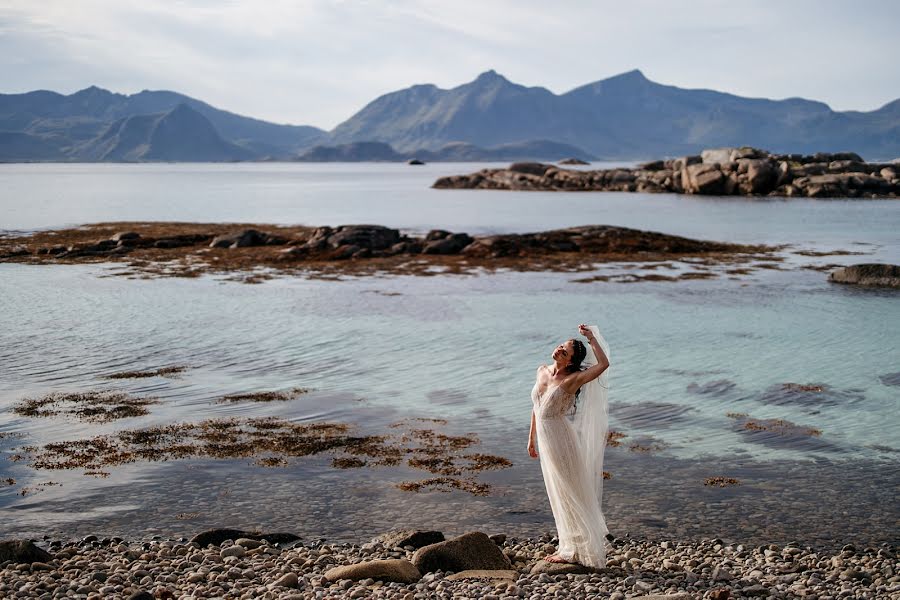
(578, 354)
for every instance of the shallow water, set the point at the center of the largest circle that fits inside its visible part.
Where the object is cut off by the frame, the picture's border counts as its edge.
(464, 348)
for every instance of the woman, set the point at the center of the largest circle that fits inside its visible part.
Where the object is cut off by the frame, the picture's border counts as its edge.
(571, 450)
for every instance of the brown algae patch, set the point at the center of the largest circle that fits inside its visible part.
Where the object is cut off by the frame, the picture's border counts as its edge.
(720, 481)
(265, 396)
(613, 438)
(270, 442)
(98, 406)
(161, 372)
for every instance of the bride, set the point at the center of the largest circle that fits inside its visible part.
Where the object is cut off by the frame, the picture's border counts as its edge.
(569, 422)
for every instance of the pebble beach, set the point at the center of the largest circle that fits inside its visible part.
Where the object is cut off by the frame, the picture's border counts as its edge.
(255, 568)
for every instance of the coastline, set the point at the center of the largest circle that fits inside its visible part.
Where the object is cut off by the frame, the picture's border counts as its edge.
(411, 564)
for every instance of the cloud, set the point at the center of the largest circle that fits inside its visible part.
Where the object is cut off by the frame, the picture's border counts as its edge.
(318, 61)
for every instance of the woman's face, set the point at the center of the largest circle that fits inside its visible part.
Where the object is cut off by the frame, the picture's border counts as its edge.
(564, 351)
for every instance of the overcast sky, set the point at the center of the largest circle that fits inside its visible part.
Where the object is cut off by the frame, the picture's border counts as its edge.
(317, 62)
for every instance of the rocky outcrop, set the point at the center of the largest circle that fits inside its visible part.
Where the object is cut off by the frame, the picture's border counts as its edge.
(470, 551)
(716, 172)
(247, 238)
(876, 275)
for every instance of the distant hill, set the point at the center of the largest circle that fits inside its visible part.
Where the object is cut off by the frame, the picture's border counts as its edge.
(622, 117)
(68, 127)
(626, 116)
(181, 134)
(455, 152)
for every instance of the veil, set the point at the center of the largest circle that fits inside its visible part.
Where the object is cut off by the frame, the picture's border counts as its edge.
(591, 422)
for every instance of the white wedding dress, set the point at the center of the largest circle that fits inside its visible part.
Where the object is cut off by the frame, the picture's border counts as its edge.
(571, 455)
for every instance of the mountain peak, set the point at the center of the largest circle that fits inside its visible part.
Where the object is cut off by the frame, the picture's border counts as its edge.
(491, 76)
(632, 76)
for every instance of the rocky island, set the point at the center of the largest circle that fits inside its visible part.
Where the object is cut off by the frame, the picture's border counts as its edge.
(191, 249)
(717, 172)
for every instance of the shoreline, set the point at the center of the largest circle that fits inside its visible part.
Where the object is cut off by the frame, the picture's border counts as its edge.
(412, 564)
(256, 252)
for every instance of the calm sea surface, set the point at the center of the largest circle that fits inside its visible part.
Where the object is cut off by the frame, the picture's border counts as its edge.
(461, 348)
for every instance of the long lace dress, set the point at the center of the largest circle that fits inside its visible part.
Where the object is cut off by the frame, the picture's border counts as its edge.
(580, 525)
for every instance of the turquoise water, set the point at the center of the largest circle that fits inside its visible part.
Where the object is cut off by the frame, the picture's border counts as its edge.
(462, 348)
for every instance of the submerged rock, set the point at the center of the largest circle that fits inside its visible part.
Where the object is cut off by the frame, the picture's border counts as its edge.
(217, 536)
(874, 274)
(410, 537)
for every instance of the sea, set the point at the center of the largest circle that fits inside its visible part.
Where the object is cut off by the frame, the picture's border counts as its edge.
(692, 361)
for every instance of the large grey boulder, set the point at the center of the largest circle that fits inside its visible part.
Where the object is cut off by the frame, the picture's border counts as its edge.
(410, 537)
(474, 550)
(372, 237)
(22, 551)
(762, 175)
(716, 155)
(704, 179)
(399, 570)
(873, 274)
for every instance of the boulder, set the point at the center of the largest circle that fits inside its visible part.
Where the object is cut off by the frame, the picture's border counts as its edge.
(217, 536)
(685, 161)
(373, 237)
(22, 551)
(484, 574)
(452, 244)
(474, 550)
(437, 234)
(551, 568)
(704, 179)
(889, 173)
(397, 570)
(654, 165)
(716, 155)
(873, 274)
(240, 239)
(573, 161)
(762, 175)
(410, 537)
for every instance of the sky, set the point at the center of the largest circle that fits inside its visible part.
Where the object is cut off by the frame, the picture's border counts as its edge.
(316, 62)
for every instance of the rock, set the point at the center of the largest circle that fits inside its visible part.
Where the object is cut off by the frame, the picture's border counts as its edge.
(397, 570)
(217, 536)
(437, 234)
(452, 244)
(573, 161)
(125, 236)
(678, 596)
(551, 568)
(529, 168)
(372, 237)
(498, 538)
(874, 274)
(23, 551)
(473, 550)
(288, 580)
(247, 543)
(889, 173)
(484, 574)
(415, 161)
(716, 155)
(236, 551)
(704, 179)
(410, 537)
(762, 176)
(141, 595)
(242, 239)
(721, 574)
(680, 163)
(655, 165)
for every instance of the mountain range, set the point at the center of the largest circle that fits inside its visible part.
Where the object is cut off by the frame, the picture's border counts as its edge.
(622, 117)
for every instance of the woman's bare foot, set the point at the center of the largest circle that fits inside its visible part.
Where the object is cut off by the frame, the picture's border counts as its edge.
(556, 558)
